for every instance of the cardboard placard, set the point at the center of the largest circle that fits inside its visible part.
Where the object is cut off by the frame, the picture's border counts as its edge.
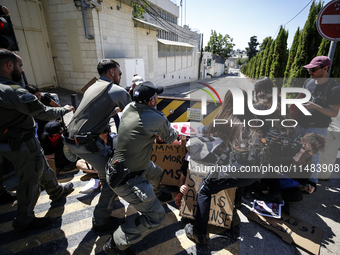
(170, 158)
(291, 230)
(221, 207)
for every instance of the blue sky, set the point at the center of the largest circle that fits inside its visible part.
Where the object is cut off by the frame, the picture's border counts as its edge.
(242, 19)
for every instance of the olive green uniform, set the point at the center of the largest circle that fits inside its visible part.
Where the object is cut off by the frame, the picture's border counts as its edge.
(93, 114)
(140, 124)
(19, 145)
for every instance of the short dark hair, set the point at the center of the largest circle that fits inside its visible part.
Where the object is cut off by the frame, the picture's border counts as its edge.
(32, 88)
(317, 141)
(105, 65)
(6, 56)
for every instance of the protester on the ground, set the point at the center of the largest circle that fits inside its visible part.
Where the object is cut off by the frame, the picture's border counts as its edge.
(292, 189)
(89, 121)
(18, 143)
(274, 135)
(53, 145)
(140, 125)
(233, 145)
(323, 105)
(110, 139)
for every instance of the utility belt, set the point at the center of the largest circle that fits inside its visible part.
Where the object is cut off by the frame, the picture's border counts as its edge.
(15, 138)
(117, 174)
(87, 139)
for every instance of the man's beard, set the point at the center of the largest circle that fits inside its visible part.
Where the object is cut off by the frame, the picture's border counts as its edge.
(16, 75)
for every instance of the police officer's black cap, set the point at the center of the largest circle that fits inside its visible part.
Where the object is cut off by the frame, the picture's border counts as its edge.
(52, 128)
(145, 91)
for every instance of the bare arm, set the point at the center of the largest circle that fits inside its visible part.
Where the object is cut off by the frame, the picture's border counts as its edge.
(332, 111)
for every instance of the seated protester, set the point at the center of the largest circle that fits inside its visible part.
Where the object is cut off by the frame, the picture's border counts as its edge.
(110, 139)
(279, 139)
(292, 189)
(48, 100)
(53, 144)
(231, 146)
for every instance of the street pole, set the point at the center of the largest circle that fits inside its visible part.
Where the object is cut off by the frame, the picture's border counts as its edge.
(331, 53)
(200, 59)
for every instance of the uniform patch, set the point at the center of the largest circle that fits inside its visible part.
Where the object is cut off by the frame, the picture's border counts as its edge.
(27, 98)
(31, 101)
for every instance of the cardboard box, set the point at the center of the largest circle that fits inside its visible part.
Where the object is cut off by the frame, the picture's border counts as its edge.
(170, 158)
(291, 229)
(221, 207)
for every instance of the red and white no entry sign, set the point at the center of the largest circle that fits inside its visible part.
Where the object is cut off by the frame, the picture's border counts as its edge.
(328, 22)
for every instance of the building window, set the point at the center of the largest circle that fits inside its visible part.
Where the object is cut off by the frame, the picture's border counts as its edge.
(209, 62)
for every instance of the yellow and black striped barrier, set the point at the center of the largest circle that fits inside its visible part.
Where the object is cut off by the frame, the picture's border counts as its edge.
(178, 109)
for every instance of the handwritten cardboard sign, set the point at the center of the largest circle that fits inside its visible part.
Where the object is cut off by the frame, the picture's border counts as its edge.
(170, 158)
(221, 207)
(291, 230)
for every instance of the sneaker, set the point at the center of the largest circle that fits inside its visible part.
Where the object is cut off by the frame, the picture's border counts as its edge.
(7, 198)
(165, 197)
(36, 223)
(67, 190)
(93, 184)
(111, 248)
(193, 236)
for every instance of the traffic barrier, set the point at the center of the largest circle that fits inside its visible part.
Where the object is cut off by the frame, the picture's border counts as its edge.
(184, 110)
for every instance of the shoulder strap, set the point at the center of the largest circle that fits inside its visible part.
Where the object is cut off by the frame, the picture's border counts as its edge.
(95, 98)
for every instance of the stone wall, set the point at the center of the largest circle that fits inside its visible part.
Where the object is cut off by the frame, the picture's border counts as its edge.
(114, 36)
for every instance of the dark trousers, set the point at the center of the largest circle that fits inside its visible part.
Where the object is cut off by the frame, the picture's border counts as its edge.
(204, 199)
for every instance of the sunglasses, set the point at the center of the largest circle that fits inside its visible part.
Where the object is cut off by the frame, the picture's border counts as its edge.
(314, 69)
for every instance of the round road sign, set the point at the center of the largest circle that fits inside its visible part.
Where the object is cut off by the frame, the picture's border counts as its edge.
(328, 22)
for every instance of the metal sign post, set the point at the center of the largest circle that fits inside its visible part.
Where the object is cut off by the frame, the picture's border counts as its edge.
(328, 25)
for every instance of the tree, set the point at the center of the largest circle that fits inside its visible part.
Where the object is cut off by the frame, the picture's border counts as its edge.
(266, 43)
(265, 56)
(279, 60)
(292, 52)
(323, 51)
(251, 50)
(308, 46)
(139, 9)
(220, 45)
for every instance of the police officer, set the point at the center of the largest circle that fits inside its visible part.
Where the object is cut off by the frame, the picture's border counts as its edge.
(89, 121)
(140, 125)
(18, 143)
